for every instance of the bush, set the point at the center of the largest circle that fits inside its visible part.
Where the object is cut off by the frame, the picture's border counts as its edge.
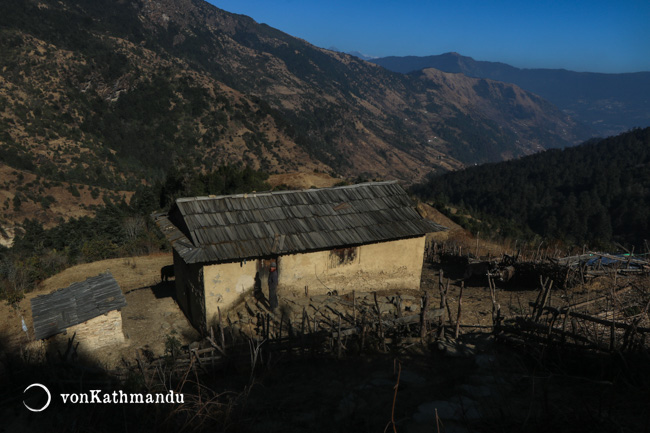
(74, 191)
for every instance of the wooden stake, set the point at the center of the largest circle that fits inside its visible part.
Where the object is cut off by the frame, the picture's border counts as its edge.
(223, 337)
(339, 339)
(447, 302)
(381, 326)
(423, 313)
(268, 322)
(546, 286)
(354, 308)
(460, 303)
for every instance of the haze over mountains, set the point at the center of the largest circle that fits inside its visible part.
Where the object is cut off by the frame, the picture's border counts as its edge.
(608, 103)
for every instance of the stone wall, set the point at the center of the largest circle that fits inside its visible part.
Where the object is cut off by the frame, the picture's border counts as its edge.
(103, 330)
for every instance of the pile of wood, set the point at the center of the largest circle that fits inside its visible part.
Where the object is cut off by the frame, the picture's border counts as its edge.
(615, 322)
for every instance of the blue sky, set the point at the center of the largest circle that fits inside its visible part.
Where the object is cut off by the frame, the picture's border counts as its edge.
(594, 35)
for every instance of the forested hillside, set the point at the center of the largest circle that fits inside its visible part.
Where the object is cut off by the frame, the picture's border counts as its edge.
(596, 193)
(118, 228)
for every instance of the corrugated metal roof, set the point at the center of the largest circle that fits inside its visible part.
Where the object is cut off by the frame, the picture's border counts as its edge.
(75, 304)
(244, 226)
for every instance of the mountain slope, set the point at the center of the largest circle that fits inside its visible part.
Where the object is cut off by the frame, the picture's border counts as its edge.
(609, 103)
(111, 93)
(595, 193)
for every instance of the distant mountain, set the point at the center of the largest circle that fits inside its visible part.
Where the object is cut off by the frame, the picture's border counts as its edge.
(114, 94)
(361, 55)
(353, 53)
(609, 103)
(594, 194)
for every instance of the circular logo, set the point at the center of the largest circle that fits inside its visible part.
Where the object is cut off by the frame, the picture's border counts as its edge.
(47, 391)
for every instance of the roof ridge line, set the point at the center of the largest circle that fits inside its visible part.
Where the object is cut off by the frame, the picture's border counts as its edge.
(267, 193)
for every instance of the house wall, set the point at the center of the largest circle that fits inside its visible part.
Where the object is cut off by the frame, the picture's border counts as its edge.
(385, 265)
(181, 274)
(225, 283)
(103, 330)
(190, 293)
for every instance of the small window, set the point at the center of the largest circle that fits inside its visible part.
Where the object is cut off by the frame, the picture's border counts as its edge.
(342, 256)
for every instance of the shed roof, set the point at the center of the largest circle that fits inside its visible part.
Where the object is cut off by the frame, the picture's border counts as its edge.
(77, 303)
(244, 226)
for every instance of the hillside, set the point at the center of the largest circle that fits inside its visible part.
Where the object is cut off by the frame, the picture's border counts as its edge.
(515, 122)
(113, 94)
(596, 193)
(24, 194)
(608, 103)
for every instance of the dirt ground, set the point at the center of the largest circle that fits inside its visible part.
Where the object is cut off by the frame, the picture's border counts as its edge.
(472, 384)
(152, 316)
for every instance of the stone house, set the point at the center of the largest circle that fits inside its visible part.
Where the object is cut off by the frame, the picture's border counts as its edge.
(360, 237)
(89, 310)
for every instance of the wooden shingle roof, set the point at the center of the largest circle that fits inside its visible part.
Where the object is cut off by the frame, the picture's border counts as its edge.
(245, 226)
(77, 303)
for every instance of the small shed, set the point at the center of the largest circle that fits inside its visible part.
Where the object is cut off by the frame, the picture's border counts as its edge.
(90, 308)
(359, 237)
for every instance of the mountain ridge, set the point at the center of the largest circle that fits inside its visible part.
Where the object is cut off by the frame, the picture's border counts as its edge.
(114, 94)
(609, 102)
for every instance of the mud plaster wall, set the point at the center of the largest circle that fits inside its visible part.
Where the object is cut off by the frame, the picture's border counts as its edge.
(101, 331)
(386, 265)
(225, 283)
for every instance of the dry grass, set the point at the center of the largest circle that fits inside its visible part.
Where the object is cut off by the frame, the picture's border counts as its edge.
(457, 235)
(303, 180)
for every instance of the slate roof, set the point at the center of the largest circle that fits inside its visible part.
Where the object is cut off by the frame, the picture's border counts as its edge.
(246, 226)
(75, 304)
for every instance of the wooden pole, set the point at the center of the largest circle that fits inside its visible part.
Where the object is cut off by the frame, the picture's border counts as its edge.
(447, 301)
(223, 337)
(339, 339)
(399, 306)
(460, 303)
(268, 322)
(381, 326)
(612, 328)
(423, 312)
(546, 286)
(354, 308)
